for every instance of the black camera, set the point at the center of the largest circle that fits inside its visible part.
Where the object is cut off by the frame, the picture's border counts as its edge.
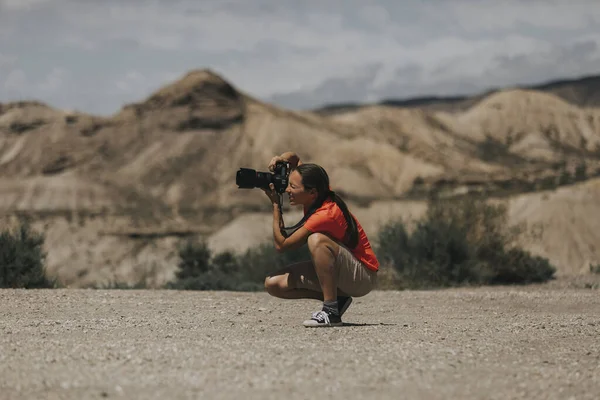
(247, 178)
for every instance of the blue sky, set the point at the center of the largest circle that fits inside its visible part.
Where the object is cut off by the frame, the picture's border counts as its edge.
(96, 56)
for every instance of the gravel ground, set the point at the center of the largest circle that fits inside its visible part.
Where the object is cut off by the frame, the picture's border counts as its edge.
(485, 343)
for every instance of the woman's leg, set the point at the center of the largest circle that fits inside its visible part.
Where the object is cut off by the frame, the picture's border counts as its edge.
(324, 251)
(284, 283)
(296, 281)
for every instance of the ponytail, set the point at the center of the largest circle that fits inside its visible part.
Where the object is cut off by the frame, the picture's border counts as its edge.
(351, 237)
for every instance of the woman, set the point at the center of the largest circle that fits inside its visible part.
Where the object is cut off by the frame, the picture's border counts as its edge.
(342, 263)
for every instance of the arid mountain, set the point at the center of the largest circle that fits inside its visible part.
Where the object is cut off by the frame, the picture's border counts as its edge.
(582, 92)
(115, 194)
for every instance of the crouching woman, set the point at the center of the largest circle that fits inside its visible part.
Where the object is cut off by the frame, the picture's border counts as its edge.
(342, 265)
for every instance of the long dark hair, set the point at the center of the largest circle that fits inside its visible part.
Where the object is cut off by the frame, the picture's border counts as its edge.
(315, 177)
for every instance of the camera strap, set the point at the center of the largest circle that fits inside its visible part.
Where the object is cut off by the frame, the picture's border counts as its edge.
(289, 230)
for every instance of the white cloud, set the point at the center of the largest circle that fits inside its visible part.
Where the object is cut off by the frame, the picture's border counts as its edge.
(5, 30)
(53, 81)
(302, 48)
(163, 26)
(483, 16)
(477, 56)
(25, 5)
(20, 84)
(315, 44)
(7, 61)
(454, 56)
(375, 15)
(78, 42)
(16, 80)
(266, 47)
(485, 65)
(130, 82)
(173, 26)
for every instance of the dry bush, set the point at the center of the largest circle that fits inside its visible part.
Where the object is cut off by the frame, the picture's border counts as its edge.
(463, 241)
(199, 269)
(22, 259)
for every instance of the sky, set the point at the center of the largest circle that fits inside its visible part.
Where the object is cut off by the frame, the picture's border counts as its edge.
(96, 56)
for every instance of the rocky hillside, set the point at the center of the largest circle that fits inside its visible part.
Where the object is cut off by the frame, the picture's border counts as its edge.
(115, 194)
(582, 92)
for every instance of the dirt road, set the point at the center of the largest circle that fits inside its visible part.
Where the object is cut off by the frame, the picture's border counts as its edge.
(500, 343)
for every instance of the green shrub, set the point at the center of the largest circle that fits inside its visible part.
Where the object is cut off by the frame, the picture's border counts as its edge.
(459, 242)
(565, 177)
(199, 269)
(581, 171)
(196, 270)
(519, 266)
(22, 259)
(194, 260)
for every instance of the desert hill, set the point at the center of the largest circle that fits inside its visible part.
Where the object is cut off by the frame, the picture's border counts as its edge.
(582, 92)
(115, 194)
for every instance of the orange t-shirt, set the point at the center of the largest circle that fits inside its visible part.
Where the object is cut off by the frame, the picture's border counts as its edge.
(329, 219)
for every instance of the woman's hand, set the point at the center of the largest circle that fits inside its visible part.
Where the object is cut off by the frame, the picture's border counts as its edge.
(274, 161)
(272, 195)
(288, 156)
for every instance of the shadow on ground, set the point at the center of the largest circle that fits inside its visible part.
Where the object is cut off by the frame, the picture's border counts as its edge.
(379, 324)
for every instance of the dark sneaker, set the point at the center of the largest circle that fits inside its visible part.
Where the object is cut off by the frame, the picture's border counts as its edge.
(343, 304)
(322, 318)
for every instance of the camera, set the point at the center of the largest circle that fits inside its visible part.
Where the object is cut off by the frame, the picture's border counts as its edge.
(247, 178)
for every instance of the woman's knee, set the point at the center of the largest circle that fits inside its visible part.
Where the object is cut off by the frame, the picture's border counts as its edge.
(275, 284)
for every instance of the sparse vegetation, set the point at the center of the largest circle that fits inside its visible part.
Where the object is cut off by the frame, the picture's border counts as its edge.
(459, 242)
(196, 271)
(581, 171)
(22, 259)
(565, 177)
(492, 150)
(24, 126)
(199, 269)
(595, 269)
(546, 183)
(418, 180)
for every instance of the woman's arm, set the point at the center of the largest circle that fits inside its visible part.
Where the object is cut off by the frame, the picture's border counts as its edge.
(282, 243)
(278, 224)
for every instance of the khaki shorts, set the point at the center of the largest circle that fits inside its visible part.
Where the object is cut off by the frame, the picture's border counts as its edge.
(354, 279)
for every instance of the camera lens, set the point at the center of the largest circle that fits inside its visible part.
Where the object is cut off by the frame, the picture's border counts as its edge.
(246, 178)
